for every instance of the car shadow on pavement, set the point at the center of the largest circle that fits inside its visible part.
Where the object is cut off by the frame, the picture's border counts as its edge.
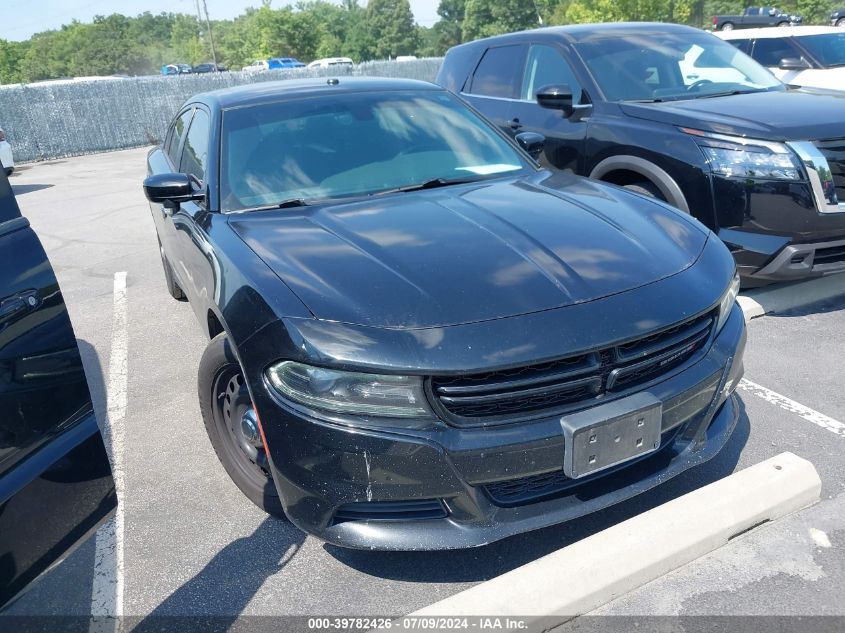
(216, 596)
(19, 190)
(483, 563)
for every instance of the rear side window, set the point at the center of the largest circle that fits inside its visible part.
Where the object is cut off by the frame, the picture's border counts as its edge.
(498, 72)
(176, 134)
(769, 52)
(195, 152)
(546, 66)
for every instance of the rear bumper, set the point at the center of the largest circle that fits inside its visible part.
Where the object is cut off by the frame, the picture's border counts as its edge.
(473, 472)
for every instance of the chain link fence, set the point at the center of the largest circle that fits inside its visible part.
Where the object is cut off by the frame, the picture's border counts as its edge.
(57, 120)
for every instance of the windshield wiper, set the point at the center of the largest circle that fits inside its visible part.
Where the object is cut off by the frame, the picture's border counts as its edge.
(290, 203)
(434, 183)
(729, 93)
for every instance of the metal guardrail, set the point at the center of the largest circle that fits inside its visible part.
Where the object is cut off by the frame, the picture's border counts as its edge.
(57, 120)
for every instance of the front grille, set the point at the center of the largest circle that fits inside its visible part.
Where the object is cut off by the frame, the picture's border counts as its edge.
(522, 392)
(834, 152)
(678, 413)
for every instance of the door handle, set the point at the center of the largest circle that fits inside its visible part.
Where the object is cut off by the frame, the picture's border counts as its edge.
(15, 306)
(515, 124)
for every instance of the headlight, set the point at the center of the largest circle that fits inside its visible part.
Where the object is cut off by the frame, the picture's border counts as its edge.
(737, 157)
(349, 392)
(727, 303)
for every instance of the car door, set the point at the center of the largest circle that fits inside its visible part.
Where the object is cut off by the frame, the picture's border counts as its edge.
(191, 220)
(546, 65)
(167, 161)
(494, 85)
(56, 485)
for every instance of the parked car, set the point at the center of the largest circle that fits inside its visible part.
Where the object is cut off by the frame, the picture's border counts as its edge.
(7, 160)
(209, 68)
(176, 69)
(257, 66)
(755, 17)
(812, 56)
(419, 338)
(56, 485)
(761, 165)
(285, 62)
(332, 62)
(837, 18)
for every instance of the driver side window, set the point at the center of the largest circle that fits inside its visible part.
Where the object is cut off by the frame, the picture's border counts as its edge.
(546, 66)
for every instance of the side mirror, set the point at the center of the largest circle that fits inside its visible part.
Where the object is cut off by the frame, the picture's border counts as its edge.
(793, 63)
(171, 188)
(532, 143)
(556, 98)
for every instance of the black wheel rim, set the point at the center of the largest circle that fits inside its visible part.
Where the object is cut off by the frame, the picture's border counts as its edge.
(237, 426)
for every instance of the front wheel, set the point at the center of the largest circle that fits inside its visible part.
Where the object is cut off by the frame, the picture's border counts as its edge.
(782, 24)
(727, 26)
(232, 425)
(840, 22)
(646, 188)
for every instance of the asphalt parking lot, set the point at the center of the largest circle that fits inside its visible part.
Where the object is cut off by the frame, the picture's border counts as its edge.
(193, 545)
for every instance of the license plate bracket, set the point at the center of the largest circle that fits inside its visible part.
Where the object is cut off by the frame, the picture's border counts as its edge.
(610, 434)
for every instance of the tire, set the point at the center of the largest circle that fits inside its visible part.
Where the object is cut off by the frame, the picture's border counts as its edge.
(169, 280)
(782, 24)
(645, 188)
(224, 400)
(840, 22)
(727, 26)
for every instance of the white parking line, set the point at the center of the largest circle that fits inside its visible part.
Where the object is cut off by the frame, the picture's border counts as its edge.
(107, 590)
(811, 415)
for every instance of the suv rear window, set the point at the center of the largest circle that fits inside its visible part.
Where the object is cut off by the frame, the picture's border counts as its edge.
(498, 71)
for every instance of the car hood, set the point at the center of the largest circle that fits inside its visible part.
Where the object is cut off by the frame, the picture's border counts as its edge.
(470, 253)
(791, 115)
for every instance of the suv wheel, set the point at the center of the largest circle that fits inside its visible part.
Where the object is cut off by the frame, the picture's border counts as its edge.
(840, 22)
(727, 26)
(232, 425)
(646, 188)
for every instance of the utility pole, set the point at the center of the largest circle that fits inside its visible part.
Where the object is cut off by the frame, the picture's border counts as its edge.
(210, 35)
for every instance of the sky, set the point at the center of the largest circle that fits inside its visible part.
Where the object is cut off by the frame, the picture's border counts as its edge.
(22, 18)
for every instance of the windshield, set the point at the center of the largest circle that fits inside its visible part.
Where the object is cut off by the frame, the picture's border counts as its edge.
(660, 66)
(828, 48)
(354, 144)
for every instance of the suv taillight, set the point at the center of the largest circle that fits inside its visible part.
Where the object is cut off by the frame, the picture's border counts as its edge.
(715, 20)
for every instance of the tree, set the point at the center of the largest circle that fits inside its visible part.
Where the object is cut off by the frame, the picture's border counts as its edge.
(484, 18)
(11, 56)
(391, 30)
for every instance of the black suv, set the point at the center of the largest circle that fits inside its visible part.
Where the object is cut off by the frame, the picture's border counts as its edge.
(675, 113)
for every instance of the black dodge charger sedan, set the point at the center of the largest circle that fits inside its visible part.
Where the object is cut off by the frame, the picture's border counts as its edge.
(676, 113)
(419, 338)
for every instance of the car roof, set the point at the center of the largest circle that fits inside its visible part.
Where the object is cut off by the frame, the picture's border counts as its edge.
(273, 91)
(583, 32)
(768, 33)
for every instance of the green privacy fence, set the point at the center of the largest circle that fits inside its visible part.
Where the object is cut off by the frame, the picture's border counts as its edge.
(60, 119)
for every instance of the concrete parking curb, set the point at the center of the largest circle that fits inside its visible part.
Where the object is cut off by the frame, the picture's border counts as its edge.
(587, 574)
(780, 298)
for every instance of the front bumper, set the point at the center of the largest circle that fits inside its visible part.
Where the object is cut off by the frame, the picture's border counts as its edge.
(775, 231)
(321, 468)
